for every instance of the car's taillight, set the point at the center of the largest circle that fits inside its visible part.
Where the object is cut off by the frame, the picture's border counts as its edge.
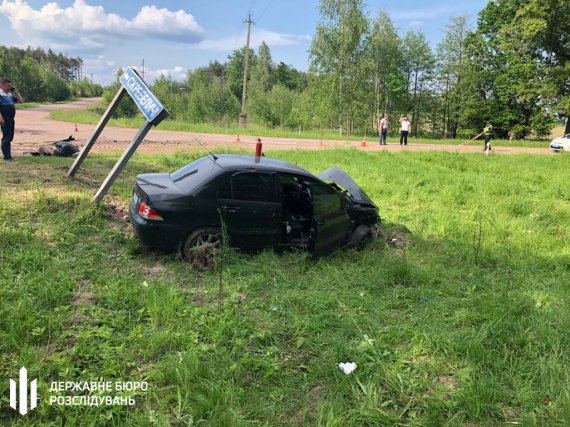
(148, 212)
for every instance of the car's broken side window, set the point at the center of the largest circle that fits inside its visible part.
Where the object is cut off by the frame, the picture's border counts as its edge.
(325, 199)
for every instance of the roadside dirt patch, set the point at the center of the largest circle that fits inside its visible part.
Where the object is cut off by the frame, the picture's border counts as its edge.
(447, 381)
(445, 384)
(509, 413)
(45, 236)
(83, 298)
(40, 129)
(156, 270)
(396, 237)
(82, 294)
(118, 209)
(198, 300)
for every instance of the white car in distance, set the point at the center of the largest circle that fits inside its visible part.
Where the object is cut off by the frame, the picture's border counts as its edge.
(561, 144)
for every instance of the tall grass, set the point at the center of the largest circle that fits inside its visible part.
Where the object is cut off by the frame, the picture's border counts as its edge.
(462, 320)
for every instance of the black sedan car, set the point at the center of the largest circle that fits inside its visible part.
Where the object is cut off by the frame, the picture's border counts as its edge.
(254, 202)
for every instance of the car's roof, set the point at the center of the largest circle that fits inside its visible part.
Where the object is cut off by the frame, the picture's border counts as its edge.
(245, 162)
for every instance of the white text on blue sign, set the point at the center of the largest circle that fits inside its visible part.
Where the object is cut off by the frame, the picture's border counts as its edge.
(141, 94)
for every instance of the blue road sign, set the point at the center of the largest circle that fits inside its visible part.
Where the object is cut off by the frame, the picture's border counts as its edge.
(141, 94)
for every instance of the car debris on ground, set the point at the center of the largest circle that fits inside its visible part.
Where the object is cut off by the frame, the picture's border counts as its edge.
(347, 367)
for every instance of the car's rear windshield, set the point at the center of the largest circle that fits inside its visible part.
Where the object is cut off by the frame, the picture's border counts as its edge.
(193, 174)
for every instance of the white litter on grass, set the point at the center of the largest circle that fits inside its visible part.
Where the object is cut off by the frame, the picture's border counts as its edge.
(347, 367)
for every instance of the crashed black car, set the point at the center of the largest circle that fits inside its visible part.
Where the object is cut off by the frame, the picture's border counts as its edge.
(259, 203)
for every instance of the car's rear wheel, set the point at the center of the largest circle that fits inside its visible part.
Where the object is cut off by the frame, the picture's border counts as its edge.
(200, 248)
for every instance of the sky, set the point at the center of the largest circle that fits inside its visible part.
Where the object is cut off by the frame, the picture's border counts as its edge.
(173, 36)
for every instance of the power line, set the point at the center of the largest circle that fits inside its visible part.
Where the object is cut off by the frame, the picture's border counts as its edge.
(265, 10)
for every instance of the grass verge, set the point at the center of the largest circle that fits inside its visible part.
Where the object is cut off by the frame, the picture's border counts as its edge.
(463, 322)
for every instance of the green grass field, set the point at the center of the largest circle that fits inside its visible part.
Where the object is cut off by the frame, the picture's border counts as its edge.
(39, 104)
(28, 104)
(92, 116)
(465, 322)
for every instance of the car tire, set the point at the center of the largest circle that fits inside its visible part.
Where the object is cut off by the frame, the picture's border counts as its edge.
(201, 246)
(361, 236)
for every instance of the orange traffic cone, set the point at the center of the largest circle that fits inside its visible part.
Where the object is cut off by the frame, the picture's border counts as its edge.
(237, 139)
(363, 143)
(76, 130)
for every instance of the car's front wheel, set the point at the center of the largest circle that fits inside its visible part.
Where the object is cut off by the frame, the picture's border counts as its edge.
(361, 236)
(201, 246)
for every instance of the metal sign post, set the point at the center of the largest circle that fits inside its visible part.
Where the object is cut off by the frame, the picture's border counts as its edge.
(149, 106)
(100, 126)
(121, 163)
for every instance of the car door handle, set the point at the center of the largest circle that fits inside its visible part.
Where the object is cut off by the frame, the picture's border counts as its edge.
(230, 209)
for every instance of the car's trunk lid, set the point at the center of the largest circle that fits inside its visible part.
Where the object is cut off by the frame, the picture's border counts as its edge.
(156, 185)
(341, 178)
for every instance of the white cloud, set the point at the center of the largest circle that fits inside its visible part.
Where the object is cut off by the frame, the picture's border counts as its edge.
(85, 27)
(176, 73)
(427, 13)
(99, 68)
(415, 24)
(271, 38)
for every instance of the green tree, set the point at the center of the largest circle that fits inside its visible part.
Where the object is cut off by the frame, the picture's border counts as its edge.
(290, 77)
(451, 69)
(55, 88)
(262, 69)
(385, 57)
(338, 51)
(541, 30)
(519, 66)
(419, 64)
(234, 70)
(29, 80)
(126, 108)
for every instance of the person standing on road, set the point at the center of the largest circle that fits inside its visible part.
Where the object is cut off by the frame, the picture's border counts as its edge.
(8, 96)
(384, 126)
(488, 133)
(405, 131)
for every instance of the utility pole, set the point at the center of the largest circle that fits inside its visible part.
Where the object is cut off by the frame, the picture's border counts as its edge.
(243, 114)
(143, 69)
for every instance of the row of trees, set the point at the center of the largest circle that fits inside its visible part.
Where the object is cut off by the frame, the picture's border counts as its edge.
(212, 94)
(45, 76)
(512, 69)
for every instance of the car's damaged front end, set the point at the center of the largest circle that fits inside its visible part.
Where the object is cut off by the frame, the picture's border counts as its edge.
(359, 207)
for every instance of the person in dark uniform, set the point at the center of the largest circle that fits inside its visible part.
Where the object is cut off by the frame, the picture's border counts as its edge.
(8, 96)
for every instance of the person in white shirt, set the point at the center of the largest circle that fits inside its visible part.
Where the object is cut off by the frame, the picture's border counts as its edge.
(405, 131)
(384, 126)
